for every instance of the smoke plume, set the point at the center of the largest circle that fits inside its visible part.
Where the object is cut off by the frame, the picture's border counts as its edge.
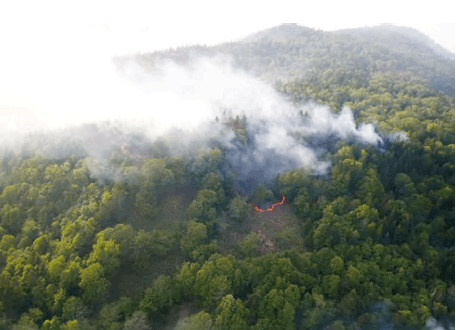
(205, 100)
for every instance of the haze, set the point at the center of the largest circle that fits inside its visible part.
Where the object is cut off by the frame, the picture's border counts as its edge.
(55, 60)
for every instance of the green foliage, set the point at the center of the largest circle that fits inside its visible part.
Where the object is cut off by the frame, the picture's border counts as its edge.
(53, 324)
(187, 278)
(56, 267)
(276, 311)
(198, 321)
(330, 285)
(195, 234)
(155, 176)
(214, 182)
(203, 206)
(375, 239)
(74, 309)
(105, 252)
(238, 209)
(71, 325)
(146, 202)
(93, 282)
(215, 278)
(156, 173)
(337, 265)
(251, 243)
(146, 245)
(289, 238)
(122, 234)
(77, 236)
(114, 314)
(261, 194)
(7, 242)
(231, 314)
(291, 182)
(372, 189)
(204, 252)
(160, 296)
(208, 161)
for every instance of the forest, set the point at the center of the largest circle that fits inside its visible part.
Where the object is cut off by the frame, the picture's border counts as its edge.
(169, 241)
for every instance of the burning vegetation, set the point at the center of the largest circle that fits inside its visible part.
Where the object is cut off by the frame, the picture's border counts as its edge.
(270, 208)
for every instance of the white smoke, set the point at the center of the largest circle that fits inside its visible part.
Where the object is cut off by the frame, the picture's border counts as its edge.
(187, 98)
(399, 136)
(191, 96)
(432, 324)
(343, 125)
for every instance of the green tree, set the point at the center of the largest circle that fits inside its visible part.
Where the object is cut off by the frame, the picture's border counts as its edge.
(251, 243)
(231, 314)
(122, 234)
(203, 206)
(337, 265)
(213, 181)
(74, 309)
(194, 236)
(53, 324)
(106, 253)
(206, 162)
(149, 244)
(187, 278)
(372, 189)
(71, 325)
(261, 194)
(238, 209)
(7, 243)
(198, 321)
(56, 267)
(276, 312)
(288, 238)
(113, 315)
(160, 296)
(354, 276)
(93, 283)
(330, 285)
(214, 279)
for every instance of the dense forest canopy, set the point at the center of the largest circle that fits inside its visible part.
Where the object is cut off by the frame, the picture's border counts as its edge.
(163, 233)
(348, 57)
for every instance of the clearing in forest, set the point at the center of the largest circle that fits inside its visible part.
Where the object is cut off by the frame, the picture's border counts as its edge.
(278, 229)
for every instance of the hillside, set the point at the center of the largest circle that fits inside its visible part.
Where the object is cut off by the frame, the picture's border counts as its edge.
(290, 51)
(322, 200)
(399, 37)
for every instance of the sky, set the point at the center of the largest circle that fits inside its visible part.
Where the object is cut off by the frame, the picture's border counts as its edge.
(146, 25)
(54, 53)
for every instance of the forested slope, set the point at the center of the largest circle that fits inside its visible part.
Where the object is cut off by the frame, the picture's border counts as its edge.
(145, 239)
(349, 57)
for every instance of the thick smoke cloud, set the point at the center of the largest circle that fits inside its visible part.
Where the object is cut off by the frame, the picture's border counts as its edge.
(206, 89)
(190, 105)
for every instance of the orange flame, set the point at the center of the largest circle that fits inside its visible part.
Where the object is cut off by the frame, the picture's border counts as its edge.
(272, 207)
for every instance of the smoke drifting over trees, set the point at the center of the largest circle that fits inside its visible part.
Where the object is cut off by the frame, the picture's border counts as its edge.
(189, 106)
(130, 201)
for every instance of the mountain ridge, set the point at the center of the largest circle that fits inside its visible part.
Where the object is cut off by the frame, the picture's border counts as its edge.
(279, 32)
(290, 51)
(400, 33)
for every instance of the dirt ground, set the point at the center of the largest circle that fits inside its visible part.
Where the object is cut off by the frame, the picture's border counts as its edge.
(267, 224)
